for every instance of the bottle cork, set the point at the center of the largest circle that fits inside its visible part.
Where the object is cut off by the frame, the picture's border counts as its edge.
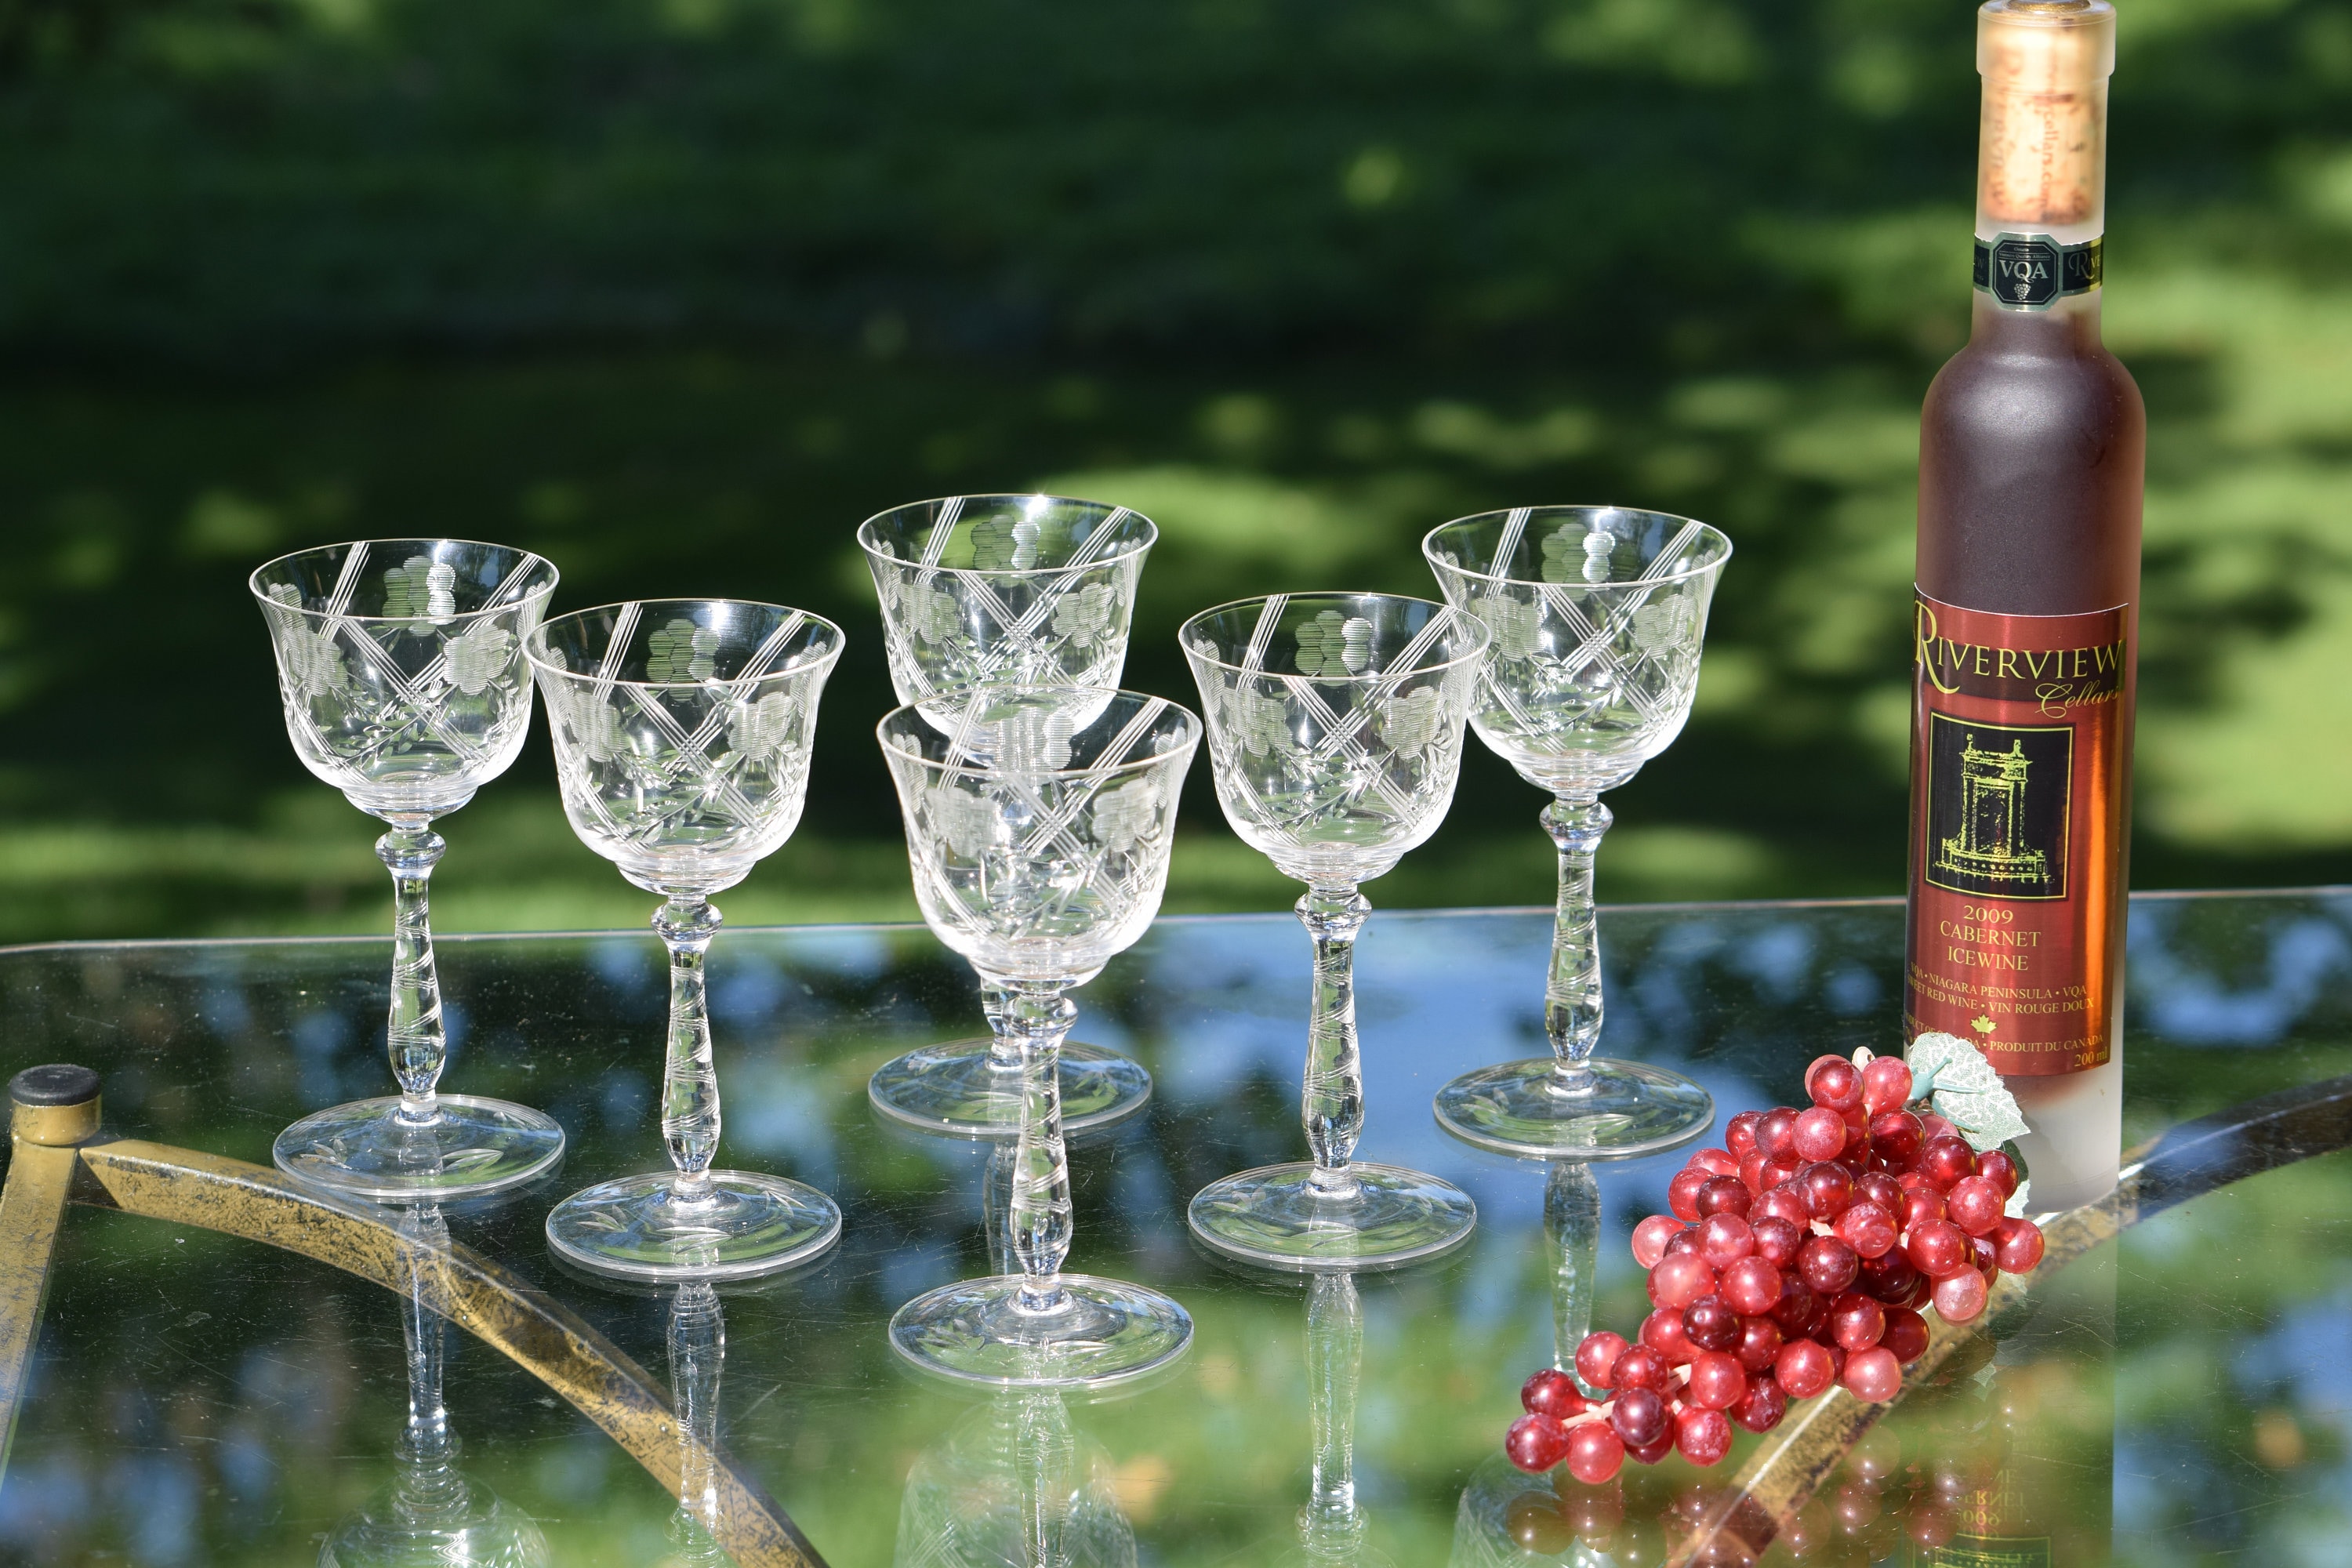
(2042, 161)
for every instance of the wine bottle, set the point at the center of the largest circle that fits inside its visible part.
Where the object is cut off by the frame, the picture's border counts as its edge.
(2031, 453)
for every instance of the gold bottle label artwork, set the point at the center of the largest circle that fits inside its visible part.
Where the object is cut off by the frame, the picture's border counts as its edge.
(2020, 755)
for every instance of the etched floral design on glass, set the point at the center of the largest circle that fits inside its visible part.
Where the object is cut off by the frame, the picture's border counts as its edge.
(1039, 821)
(1335, 733)
(683, 729)
(1004, 590)
(400, 669)
(1598, 614)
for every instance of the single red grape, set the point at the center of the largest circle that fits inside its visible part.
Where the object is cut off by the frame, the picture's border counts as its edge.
(1650, 1238)
(1723, 1195)
(1784, 1203)
(1996, 1166)
(1804, 1369)
(1891, 1279)
(1739, 1132)
(1725, 1238)
(1680, 1280)
(1751, 1285)
(1684, 1240)
(1594, 1452)
(1898, 1136)
(1596, 1357)
(1712, 1323)
(1751, 1171)
(1780, 1171)
(1873, 1374)
(1641, 1367)
(1639, 1414)
(1857, 1508)
(1944, 1161)
(1703, 1436)
(1932, 1127)
(1881, 1188)
(1776, 1132)
(1858, 1321)
(1651, 1453)
(1837, 1357)
(1797, 1305)
(1715, 1161)
(1535, 1442)
(1921, 1204)
(1682, 1193)
(1821, 1134)
(1827, 1188)
(1868, 1229)
(1959, 1297)
(1716, 1381)
(1828, 1265)
(1930, 1525)
(1759, 1343)
(1761, 1409)
(2017, 1246)
(1834, 1081)
(1776, 1240)
(1885, 1084)
(1662, 1331)
(1974, 1204)
(1553, 1393)
(1906, 1335)
(1938, 1249)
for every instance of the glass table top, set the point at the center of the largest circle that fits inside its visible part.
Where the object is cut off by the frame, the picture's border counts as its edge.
(2182, 1394)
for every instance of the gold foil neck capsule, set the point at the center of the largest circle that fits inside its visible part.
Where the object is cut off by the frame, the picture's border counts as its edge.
(2042, 161)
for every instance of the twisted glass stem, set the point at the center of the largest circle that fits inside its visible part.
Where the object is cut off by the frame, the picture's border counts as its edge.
(1572, 1227)
(1332, 1525)
(689, 1077)
(1572, 996)
(1003, 1051)
(1038, 1019)
(428, 1485)
(1331, 1103)
(698, 1349)
(413, 1032)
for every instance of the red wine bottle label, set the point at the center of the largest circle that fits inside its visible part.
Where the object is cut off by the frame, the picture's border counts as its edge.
(2020, 738)
(2033, 271)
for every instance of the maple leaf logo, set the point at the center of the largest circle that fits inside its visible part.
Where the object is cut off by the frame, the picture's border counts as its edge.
(1982, 1024)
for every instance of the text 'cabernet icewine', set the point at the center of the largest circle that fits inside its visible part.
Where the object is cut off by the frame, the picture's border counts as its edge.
(2031, 454)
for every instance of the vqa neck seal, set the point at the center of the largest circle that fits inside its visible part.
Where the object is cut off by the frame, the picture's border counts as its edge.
(2042, 157)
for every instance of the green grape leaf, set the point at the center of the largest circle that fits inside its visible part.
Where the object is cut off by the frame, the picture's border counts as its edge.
(1956, 1080)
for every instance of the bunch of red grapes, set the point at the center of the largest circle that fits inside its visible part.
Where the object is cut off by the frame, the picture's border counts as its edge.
(1796, 1259)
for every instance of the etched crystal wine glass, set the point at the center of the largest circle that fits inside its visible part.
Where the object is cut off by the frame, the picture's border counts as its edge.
(1038, 825)
(1004, 590)
(1598, 614)
(1335, 732)
(682, 730)
(401, 669)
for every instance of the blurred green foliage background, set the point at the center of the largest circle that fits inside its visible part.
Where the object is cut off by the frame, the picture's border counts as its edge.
(678, 291)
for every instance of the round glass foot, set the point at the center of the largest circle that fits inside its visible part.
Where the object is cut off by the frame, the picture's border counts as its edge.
(446, 1521)
(1386, 1215)
(1619, 1109)
(740, 1225)
(956, 1088)
(1104, 1331)
(367, 1149)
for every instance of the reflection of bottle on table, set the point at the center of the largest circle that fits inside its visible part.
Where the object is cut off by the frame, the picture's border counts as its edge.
(2019, 1458)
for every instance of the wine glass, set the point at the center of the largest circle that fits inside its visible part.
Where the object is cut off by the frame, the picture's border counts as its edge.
(1335, 733)
(401, 669)
(1004, 590)
(1598, 614)
(1015, 1484)
(682, 730)
(432, 1512)
(1038, 822)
